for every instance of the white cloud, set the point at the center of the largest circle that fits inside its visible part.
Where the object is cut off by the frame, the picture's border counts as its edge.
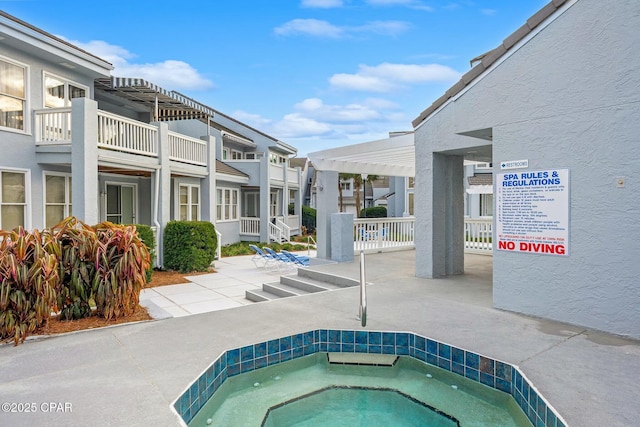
(319, 28)
(311, 118)
(488, 12)
(382, 27)
(413, 4)
(321, 4)
(169, 74)
(310, 27)
(386, 77)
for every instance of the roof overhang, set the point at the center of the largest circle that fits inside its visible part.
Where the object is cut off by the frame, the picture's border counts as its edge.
(393, 156)
(28, 38)
(226, 136)
(170, 105)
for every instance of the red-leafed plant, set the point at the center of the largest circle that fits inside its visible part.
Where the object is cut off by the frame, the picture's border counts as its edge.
(28, 282)
(121, 263)
(78, 249)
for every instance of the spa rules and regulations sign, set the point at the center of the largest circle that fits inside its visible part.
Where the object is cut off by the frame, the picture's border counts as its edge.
(532, 211)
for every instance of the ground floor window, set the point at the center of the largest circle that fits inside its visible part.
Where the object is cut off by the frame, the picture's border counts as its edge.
(189, 202)
(121, 204)
(226, 204)
(57, 198)
(13, 200)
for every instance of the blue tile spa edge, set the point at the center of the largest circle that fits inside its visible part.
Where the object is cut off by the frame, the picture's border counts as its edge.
(493, 373)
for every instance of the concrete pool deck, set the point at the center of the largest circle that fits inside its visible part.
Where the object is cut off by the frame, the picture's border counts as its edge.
(130, 374)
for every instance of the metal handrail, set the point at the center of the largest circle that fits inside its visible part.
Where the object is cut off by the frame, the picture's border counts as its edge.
(309, 240)
(363, 292)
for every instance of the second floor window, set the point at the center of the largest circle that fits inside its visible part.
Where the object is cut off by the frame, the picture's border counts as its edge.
(59, 92)
(13, 98)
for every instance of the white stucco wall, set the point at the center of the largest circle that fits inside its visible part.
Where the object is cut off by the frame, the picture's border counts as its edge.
(567, 98)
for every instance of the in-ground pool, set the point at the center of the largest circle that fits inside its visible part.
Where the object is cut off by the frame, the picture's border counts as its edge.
(457, 383)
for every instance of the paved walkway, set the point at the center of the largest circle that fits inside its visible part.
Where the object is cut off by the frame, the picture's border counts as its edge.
(130, 374)
(211, 292)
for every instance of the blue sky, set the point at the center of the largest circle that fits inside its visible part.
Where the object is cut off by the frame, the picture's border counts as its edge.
(315, 74)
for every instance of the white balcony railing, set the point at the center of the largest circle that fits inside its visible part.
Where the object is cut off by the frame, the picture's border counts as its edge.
(478, 236)
(380, 234)
(53, 126)
(126, 135)
(275, 171)
(185, 149)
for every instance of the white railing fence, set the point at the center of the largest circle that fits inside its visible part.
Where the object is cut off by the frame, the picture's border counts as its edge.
(122, 134)
(383, 234)
(250, 226)
(285, 229)
(186, 149)
(53, 126)
(478, 236)
(275, 233)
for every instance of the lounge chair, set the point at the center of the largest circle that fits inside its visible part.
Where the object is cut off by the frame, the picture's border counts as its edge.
(282, 260)
(260, 256)
(296, 259)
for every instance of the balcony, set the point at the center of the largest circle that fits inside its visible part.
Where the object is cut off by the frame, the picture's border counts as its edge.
(116, 133)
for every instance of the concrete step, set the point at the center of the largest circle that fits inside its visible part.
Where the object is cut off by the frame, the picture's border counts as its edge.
(331, 279)
(309, 285)
(304, 282)
(283, 290)
(259, 295)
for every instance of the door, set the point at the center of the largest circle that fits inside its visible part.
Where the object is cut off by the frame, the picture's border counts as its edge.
(121, 204)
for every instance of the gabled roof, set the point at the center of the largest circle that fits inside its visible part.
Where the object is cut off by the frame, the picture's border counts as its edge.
(489, 58)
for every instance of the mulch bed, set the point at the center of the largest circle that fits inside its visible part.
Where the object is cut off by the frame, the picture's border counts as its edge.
(158, 278)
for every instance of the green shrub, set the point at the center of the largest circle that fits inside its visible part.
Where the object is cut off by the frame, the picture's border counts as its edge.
(148, 237)
(122, 260)
(374, 212)
(309, 219)
(28, 282)
(189, 245)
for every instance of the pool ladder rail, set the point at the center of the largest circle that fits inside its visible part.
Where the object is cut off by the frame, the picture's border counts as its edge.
(363, 292)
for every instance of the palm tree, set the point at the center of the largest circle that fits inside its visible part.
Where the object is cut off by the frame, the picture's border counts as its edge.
(357, 186)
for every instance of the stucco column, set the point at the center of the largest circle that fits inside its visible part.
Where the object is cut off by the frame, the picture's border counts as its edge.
(164, 193)
(440, 230)
(208, 193)
(265, 190)
(327, 203)
(84, 160)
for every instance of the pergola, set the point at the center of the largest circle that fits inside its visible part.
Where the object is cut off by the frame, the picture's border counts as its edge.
(394, 156)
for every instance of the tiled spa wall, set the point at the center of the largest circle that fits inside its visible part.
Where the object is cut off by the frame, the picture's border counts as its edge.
(493, 373)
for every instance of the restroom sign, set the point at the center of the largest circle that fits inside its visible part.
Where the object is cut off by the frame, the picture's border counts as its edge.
(532, 212)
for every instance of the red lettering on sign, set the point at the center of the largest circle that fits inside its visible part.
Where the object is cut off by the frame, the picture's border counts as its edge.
(506, 245)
